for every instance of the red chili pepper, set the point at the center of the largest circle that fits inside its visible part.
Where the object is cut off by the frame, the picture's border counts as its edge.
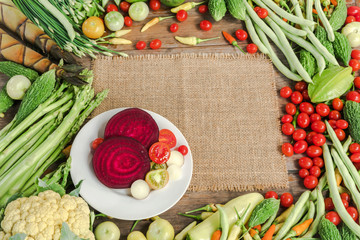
(231, 40)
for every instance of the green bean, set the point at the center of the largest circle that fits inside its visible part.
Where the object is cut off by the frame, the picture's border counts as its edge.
(254, 37)
(325, 21)
(347, 143)
(308, 12)
(320, 211)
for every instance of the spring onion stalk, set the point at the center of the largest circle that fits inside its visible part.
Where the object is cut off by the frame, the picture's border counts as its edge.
(276, 61)
(334, 193)
(320, 211)
(324, 21)
(308, 12)
(293, 58)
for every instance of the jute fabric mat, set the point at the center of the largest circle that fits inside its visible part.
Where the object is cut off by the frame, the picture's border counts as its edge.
(225, 105)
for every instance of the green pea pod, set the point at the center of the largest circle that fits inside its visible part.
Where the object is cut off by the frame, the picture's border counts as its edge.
(332, 83)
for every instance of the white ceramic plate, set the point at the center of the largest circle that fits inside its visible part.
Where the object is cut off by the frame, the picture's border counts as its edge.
(118, 203)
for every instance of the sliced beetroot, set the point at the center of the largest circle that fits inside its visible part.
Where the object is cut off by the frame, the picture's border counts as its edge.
(134, 123)
(119, 161)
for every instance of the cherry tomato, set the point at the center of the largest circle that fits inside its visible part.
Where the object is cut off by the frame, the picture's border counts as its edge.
(322, 109)
(333, 217)
(334, 115)
(300, 146)
(111, 7)
(93, 27)
(318, 126)
(299, 134)
(353, 10)
(124, 6)
(337, 104)
(287, 149)
(285, 92)
(183, 149)
(300, 86)
(306, 107)
(303, 173)
(305, 163)
(318, 161)
(140, 45)
(168, 137)
(257, 8)
(342, 124)
(174, 27)
(159, 152)
(203, 8)
(205, 25)
(314, 151)
(355, 53)
(262, 13)
(353, 213)
(241, 35)
(315, 117)
(345, 196)
(350, 19)
(340, 134)
(286, 118)
(271, 194)
(332, 123)
(96, 143)
(286, 199)
(305, 94)
(181, 15)
(315, 171)
(319, 139)
(303, 120)
(357, 17)
(155, 44)
(287, 128)
(296, 97)
(357, 82)
(354, 148)
(355, 157)
(353, 96)
(355, 64)
(154, 4)
(251, 48)
(309, 137)
(346, 204)
(128, 21)
(310, 182)
(329, 205)
(290, 108)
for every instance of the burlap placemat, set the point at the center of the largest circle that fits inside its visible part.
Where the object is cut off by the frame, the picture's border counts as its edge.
(225, 105)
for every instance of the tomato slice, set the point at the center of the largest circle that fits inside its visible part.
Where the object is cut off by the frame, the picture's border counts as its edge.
(168, 137)
(159, 152)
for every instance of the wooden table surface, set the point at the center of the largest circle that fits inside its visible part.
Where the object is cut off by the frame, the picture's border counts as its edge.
(190, 27)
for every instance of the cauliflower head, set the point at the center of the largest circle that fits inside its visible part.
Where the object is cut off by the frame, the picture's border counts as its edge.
(41, 217)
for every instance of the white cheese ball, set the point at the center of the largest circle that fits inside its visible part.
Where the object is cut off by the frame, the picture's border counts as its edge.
(140, 189)
(175, 172)
(176, 158)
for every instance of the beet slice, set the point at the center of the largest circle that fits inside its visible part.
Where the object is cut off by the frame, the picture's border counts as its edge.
(134, 123)
(119, 161)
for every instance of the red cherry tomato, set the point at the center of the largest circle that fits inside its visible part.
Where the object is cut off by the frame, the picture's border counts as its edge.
(140, 45)
(159, 152)
(286, 199)
(353, 96)
(346, 204)
(251, 48)
(318, 126)
(332, 123)
(257, 8)
(315, 171)
(345, 196)
(355, 64)
(168, 137)
(357, 82)
(310, 182)
(286, 118)
(318, 161)
(181, 15)
(303, 120)
(300, 146)
(111, 7)
(203, 8)
(305, 94)
(303, 173)
(183, 150)
(300, 86)
(271, 194)
(299, 134)
(96, 143)
(154, 4)
(319, 139)
(333, 217)
(305, 163)
(337, 104)
(205, 25)
(353, 213)
(296, 97)
(262, 13)
(290, 108)
(334, 115)
(354, 148)
(155, 44)
(306, 107)
(285, 92)
(353, 10)
(241, 35)
(355, 157)
(350, 19)
(174, 27)
(322, 109)
(342, 124)
(357, 17)
(329, 205)
(309, 137)
(287, 128)
(314, 151)
(315, 117)
(340, 134)
(128, 21)
(287, 149)
(124, 6)
(355, 53)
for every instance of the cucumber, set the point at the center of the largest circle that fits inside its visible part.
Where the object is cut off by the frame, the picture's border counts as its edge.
(217, 9)
(236, 8)
(338, 17)
(308, 61)
(342, 48)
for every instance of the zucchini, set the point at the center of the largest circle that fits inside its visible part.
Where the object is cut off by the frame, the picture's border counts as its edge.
(328, 230)
(12, 69)
(352, 115)
(346, 233)
(339, 15)
(217, 9)
(342, 48)
(236, 8)
(263, 211)
(308, 61)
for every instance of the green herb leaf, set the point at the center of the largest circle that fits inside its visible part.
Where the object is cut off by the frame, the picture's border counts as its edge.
(18, 236)
(76, 191)
(67, 234)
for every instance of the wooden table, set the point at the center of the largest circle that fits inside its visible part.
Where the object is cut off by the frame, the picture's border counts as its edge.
(190, 27)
